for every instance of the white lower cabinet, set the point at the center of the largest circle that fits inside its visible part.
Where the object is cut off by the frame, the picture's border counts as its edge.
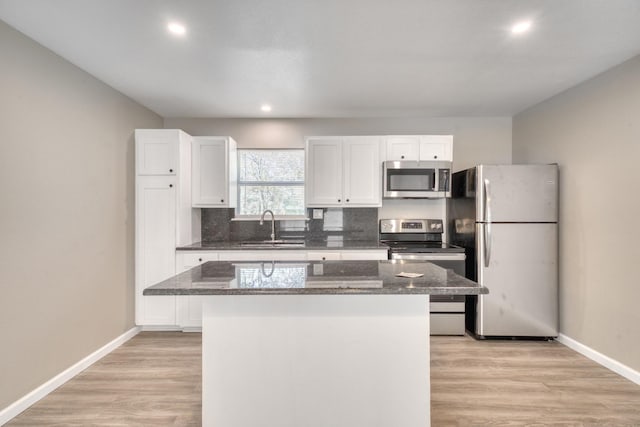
(189, 307)
(323, 256)
(364, 255)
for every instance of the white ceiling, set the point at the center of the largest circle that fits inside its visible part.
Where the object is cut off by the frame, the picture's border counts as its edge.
(335, 58)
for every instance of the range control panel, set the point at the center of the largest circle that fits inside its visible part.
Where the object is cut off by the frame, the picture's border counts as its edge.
(411, 226)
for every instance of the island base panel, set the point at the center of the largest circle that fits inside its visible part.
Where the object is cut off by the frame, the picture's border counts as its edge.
(316, 361)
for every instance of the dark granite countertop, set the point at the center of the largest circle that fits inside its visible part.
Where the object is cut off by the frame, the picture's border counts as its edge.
(307, 244)
(315, 277)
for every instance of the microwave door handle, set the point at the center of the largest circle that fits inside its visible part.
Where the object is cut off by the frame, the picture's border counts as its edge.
(487, 225)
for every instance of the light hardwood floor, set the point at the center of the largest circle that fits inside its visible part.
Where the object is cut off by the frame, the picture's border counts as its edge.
(154, 379)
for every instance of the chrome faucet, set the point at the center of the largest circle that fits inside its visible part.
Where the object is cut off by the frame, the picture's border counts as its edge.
(273, 224)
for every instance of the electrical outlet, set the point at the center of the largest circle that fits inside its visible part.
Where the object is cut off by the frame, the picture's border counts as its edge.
(317, 213)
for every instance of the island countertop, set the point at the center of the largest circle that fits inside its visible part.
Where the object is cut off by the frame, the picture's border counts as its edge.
(316, 278)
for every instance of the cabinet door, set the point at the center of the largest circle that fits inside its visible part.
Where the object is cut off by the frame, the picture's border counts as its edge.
(156, 151)
(209, 184)
(436, 147)
(403, 147)
(323, 182)
(189, 307)
(155, 247)
(362, 172)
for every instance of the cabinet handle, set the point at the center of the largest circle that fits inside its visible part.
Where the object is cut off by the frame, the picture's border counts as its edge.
(200, 259)
(170, 185)
(347, 200)
(402, 157)
(170, 170)
(338, 200)
(435, 157)
(221, 200)
(324, 258)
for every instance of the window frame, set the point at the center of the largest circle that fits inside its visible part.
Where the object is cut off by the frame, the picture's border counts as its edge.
(245, 217)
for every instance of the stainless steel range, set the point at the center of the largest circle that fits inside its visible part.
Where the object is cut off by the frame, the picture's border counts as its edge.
(421, 239)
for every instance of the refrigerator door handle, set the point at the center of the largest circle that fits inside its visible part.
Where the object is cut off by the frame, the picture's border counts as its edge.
(487, 227)
(487, 200)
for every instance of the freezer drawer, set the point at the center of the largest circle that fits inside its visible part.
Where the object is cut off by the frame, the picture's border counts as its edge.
(518, 263)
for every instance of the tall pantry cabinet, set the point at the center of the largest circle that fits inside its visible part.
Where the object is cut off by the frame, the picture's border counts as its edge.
(164, 217)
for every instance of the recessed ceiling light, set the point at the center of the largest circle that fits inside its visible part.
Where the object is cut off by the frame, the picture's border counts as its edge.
(521, 27)
(176, 28)
(266, 108)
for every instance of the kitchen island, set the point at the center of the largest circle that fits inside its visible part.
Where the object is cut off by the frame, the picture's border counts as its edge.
(331, 343)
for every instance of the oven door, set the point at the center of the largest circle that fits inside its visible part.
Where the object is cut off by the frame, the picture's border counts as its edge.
(447, 312)
(451, 261)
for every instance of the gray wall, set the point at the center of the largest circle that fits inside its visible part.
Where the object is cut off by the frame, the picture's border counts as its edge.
(593, 132)
(67, 213)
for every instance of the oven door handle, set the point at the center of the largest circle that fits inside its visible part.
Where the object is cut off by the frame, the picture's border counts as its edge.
(430, 257)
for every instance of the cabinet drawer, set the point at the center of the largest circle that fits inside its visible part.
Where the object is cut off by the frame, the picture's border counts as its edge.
(322, 255)
(264, 255)
(446, 307)
(375, 254)
(187, 260)
(447, 323)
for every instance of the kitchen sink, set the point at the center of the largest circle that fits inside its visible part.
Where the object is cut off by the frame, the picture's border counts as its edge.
(274, 244)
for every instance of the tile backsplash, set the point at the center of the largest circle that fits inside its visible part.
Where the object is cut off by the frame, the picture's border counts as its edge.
(337, 223)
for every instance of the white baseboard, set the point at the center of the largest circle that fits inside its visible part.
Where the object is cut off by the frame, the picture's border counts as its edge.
(155, 328)
(606, 361)
(32, 397)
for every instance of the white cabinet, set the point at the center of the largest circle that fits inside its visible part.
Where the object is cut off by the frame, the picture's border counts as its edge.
(263, 255)
(419, 147)
(436, 147)
(362, 179)
(403, 147)
(155, 245)
(157, 151)
(343, 171)
(214, 172)
(189, 307)
(164, 219)
(323, 172)
(364, 255)
(323, 256)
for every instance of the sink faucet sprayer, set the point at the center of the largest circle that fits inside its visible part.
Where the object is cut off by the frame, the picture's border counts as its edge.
(273, 223)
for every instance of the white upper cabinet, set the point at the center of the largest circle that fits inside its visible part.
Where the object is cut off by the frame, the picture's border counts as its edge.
(362, 185)
(436, 147)
(214, 172)
(343, 171)
(419, 147)
(157, 151)
(323, 172)
(403, 147)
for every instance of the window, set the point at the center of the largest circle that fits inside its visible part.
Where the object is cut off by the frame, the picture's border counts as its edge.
(271, 179)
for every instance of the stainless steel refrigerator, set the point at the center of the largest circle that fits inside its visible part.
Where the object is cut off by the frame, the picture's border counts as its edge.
(506, 218)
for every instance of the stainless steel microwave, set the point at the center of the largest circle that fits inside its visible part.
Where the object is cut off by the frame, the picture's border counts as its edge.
(416, 179)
